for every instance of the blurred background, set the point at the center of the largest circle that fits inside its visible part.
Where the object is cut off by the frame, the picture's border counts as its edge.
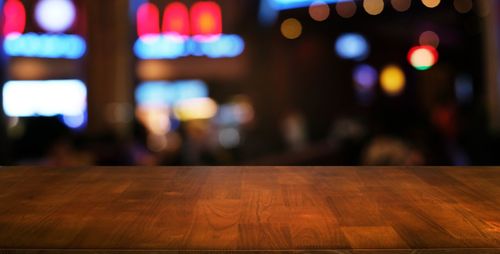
(248, 82)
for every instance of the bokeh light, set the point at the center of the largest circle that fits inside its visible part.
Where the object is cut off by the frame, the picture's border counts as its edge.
(422, 57)
(229, 137)
(365, 77)
(75, 122)
(68, 46)
(26, 98)
(319, 10)
(195, 109)
(464, 88)
(14, 17)
(156, 118)
(431, 3)
(392, 80)
(55, 16)
(170, 46)
(291, 28)
(463, 6)
(373, 7)
(346, 9)
(166, 93)
(352, 46)
(176, 19)
(429, 38)
(206, 18)
(401, 5)
(148, 20)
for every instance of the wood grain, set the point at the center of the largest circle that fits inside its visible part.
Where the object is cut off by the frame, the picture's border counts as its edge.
(246, 209)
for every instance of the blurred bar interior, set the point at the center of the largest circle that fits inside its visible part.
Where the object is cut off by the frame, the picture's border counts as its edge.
(246, 82)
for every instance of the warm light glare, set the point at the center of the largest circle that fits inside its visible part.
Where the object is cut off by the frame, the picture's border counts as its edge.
(346, 9)
(319, 10)
(392, 80)
(291, 28)
(206, 18)
(155, 118)
(431, 3)
(429, 38)
(14, 17)
(148, 20)
(176, 19)
(401, 5)
(352, 46)
(55, 16)
(25, 98)
(195, 109)
(373, 7)
(422, 57)
(463, 6)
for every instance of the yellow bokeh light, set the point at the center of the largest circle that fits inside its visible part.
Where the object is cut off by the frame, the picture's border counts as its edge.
(422, 57)
(401, 5)
(156, 119)
(346, 9)
(319, 10)
(195, 109)
(291, 28)
(463, 6)
(431, 3)
(373, 7)
(392, 80)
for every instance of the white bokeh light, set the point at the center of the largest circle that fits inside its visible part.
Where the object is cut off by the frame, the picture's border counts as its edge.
(55, 16)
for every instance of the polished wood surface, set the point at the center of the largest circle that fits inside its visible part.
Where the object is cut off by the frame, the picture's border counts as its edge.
(340, 209)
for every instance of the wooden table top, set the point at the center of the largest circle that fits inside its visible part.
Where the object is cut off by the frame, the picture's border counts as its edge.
(338, 209)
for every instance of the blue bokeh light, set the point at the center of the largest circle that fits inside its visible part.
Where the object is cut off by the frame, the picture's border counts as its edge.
(45, 46)
(365, 76)
(292, 4)
(173, 47)
(75, 122)
(352, 46)
(165, 93)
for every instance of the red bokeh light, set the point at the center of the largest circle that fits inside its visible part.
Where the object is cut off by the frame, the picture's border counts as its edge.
(206, 18)
(14, 17)
(176, 19)
(148, 20)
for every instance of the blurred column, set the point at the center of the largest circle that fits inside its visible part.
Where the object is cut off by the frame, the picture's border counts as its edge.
(109, 70)
(3, 132)
(491, 32)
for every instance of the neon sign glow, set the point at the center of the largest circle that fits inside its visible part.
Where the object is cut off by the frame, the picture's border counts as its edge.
(45, 45)
(54, 16)
(194, 32)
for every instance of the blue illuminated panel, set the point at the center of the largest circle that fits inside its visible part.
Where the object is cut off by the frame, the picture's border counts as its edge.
(172, 47)
(168, 93)
(291, 4)
(45, 45)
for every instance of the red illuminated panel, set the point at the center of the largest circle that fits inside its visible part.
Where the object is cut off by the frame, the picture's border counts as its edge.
(176, 19)
(206, 18)
(14, 17)
(148, 19)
